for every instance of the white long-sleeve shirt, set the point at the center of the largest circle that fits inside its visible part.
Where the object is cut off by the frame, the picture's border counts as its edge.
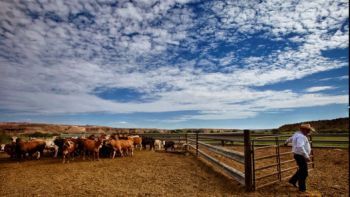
(300, 144)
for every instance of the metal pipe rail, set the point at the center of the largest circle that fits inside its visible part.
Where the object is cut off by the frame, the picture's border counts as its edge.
(265, 176)
(237, 175)
(234, 155)
(264, 147)
(270, 136)
(315, 141)
(265, 157)
(221, 139)
(266, 167)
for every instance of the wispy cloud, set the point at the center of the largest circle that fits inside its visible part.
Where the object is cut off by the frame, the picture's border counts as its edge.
(319, 88)
(345, 77)
(54, 55)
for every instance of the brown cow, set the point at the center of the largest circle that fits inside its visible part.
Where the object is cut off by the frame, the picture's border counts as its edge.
(128, 147)
(137, 141)
(116, 146)
(92, 146)
(30, 147)
(68, 149)
(123, 147)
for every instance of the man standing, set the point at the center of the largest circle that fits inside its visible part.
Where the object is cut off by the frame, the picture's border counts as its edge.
(301, 149)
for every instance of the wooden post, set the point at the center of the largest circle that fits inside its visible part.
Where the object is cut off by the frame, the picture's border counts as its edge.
(187, 145)
(197, 143)
(222, 143)
(312, 152)
(248, 173)
(253, 166)
(278, 158)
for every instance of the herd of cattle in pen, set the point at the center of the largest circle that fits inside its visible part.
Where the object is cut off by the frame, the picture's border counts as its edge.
(93, 146)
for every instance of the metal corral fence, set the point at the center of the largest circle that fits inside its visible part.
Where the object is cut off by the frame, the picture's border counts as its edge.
(261, 160)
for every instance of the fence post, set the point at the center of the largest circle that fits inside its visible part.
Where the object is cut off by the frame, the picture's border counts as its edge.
(278, 158)
(187, 145)
(197, 143)
(312, 152)
(248, 172)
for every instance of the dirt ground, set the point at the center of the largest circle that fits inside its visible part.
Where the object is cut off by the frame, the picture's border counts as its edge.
(151, 173)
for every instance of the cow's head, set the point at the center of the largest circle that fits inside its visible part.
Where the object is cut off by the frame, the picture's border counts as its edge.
(14, 138)
(2, 147)
(68, 145)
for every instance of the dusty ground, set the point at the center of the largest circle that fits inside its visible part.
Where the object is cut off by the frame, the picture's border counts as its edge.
(155, 174)
(330, 177)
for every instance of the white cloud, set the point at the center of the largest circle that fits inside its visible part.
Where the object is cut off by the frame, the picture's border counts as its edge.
(165, 51)
(319, 88)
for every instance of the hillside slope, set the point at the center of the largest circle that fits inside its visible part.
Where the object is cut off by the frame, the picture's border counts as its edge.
(321, 126)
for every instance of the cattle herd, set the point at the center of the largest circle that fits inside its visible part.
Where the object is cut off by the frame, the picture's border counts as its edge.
(108, 146)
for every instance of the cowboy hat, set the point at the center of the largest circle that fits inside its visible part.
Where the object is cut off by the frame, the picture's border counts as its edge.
(307, 126)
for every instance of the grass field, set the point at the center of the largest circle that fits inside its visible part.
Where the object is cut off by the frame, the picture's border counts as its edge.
(318, 141)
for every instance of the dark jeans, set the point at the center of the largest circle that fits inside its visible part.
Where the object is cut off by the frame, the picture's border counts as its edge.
(301, 174)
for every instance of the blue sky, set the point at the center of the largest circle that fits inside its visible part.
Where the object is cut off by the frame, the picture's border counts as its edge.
(174, 63)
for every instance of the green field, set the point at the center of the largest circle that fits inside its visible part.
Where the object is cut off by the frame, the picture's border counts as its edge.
(318, 141)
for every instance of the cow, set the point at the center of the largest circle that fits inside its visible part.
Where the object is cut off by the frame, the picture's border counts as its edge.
(128, 147)
(30, 147)
(91, 137)
(10, 149)
(106, 150)
(169, 144)
(59, 143)
(158, 144)
(116, 146)
(137, 141)
(92, 146)
(114, 137)
(14, 138)
(68, 149)
(148, 141)
(51, 146)
(123, 147)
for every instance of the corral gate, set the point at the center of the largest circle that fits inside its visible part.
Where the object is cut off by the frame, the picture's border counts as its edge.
(278, 167)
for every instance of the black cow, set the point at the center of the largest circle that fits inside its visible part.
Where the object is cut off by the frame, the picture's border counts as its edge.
(59, 142)
(10, 149)
(169, 144)
(148, 141)
(106, 150)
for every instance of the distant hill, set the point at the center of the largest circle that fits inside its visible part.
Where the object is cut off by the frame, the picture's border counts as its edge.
(13, 128)
(339, 125)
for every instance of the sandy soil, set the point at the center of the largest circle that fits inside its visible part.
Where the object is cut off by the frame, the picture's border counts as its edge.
(151, 173)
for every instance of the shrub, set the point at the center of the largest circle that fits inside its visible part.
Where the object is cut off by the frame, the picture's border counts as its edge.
(4, 138)
(39, 134)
